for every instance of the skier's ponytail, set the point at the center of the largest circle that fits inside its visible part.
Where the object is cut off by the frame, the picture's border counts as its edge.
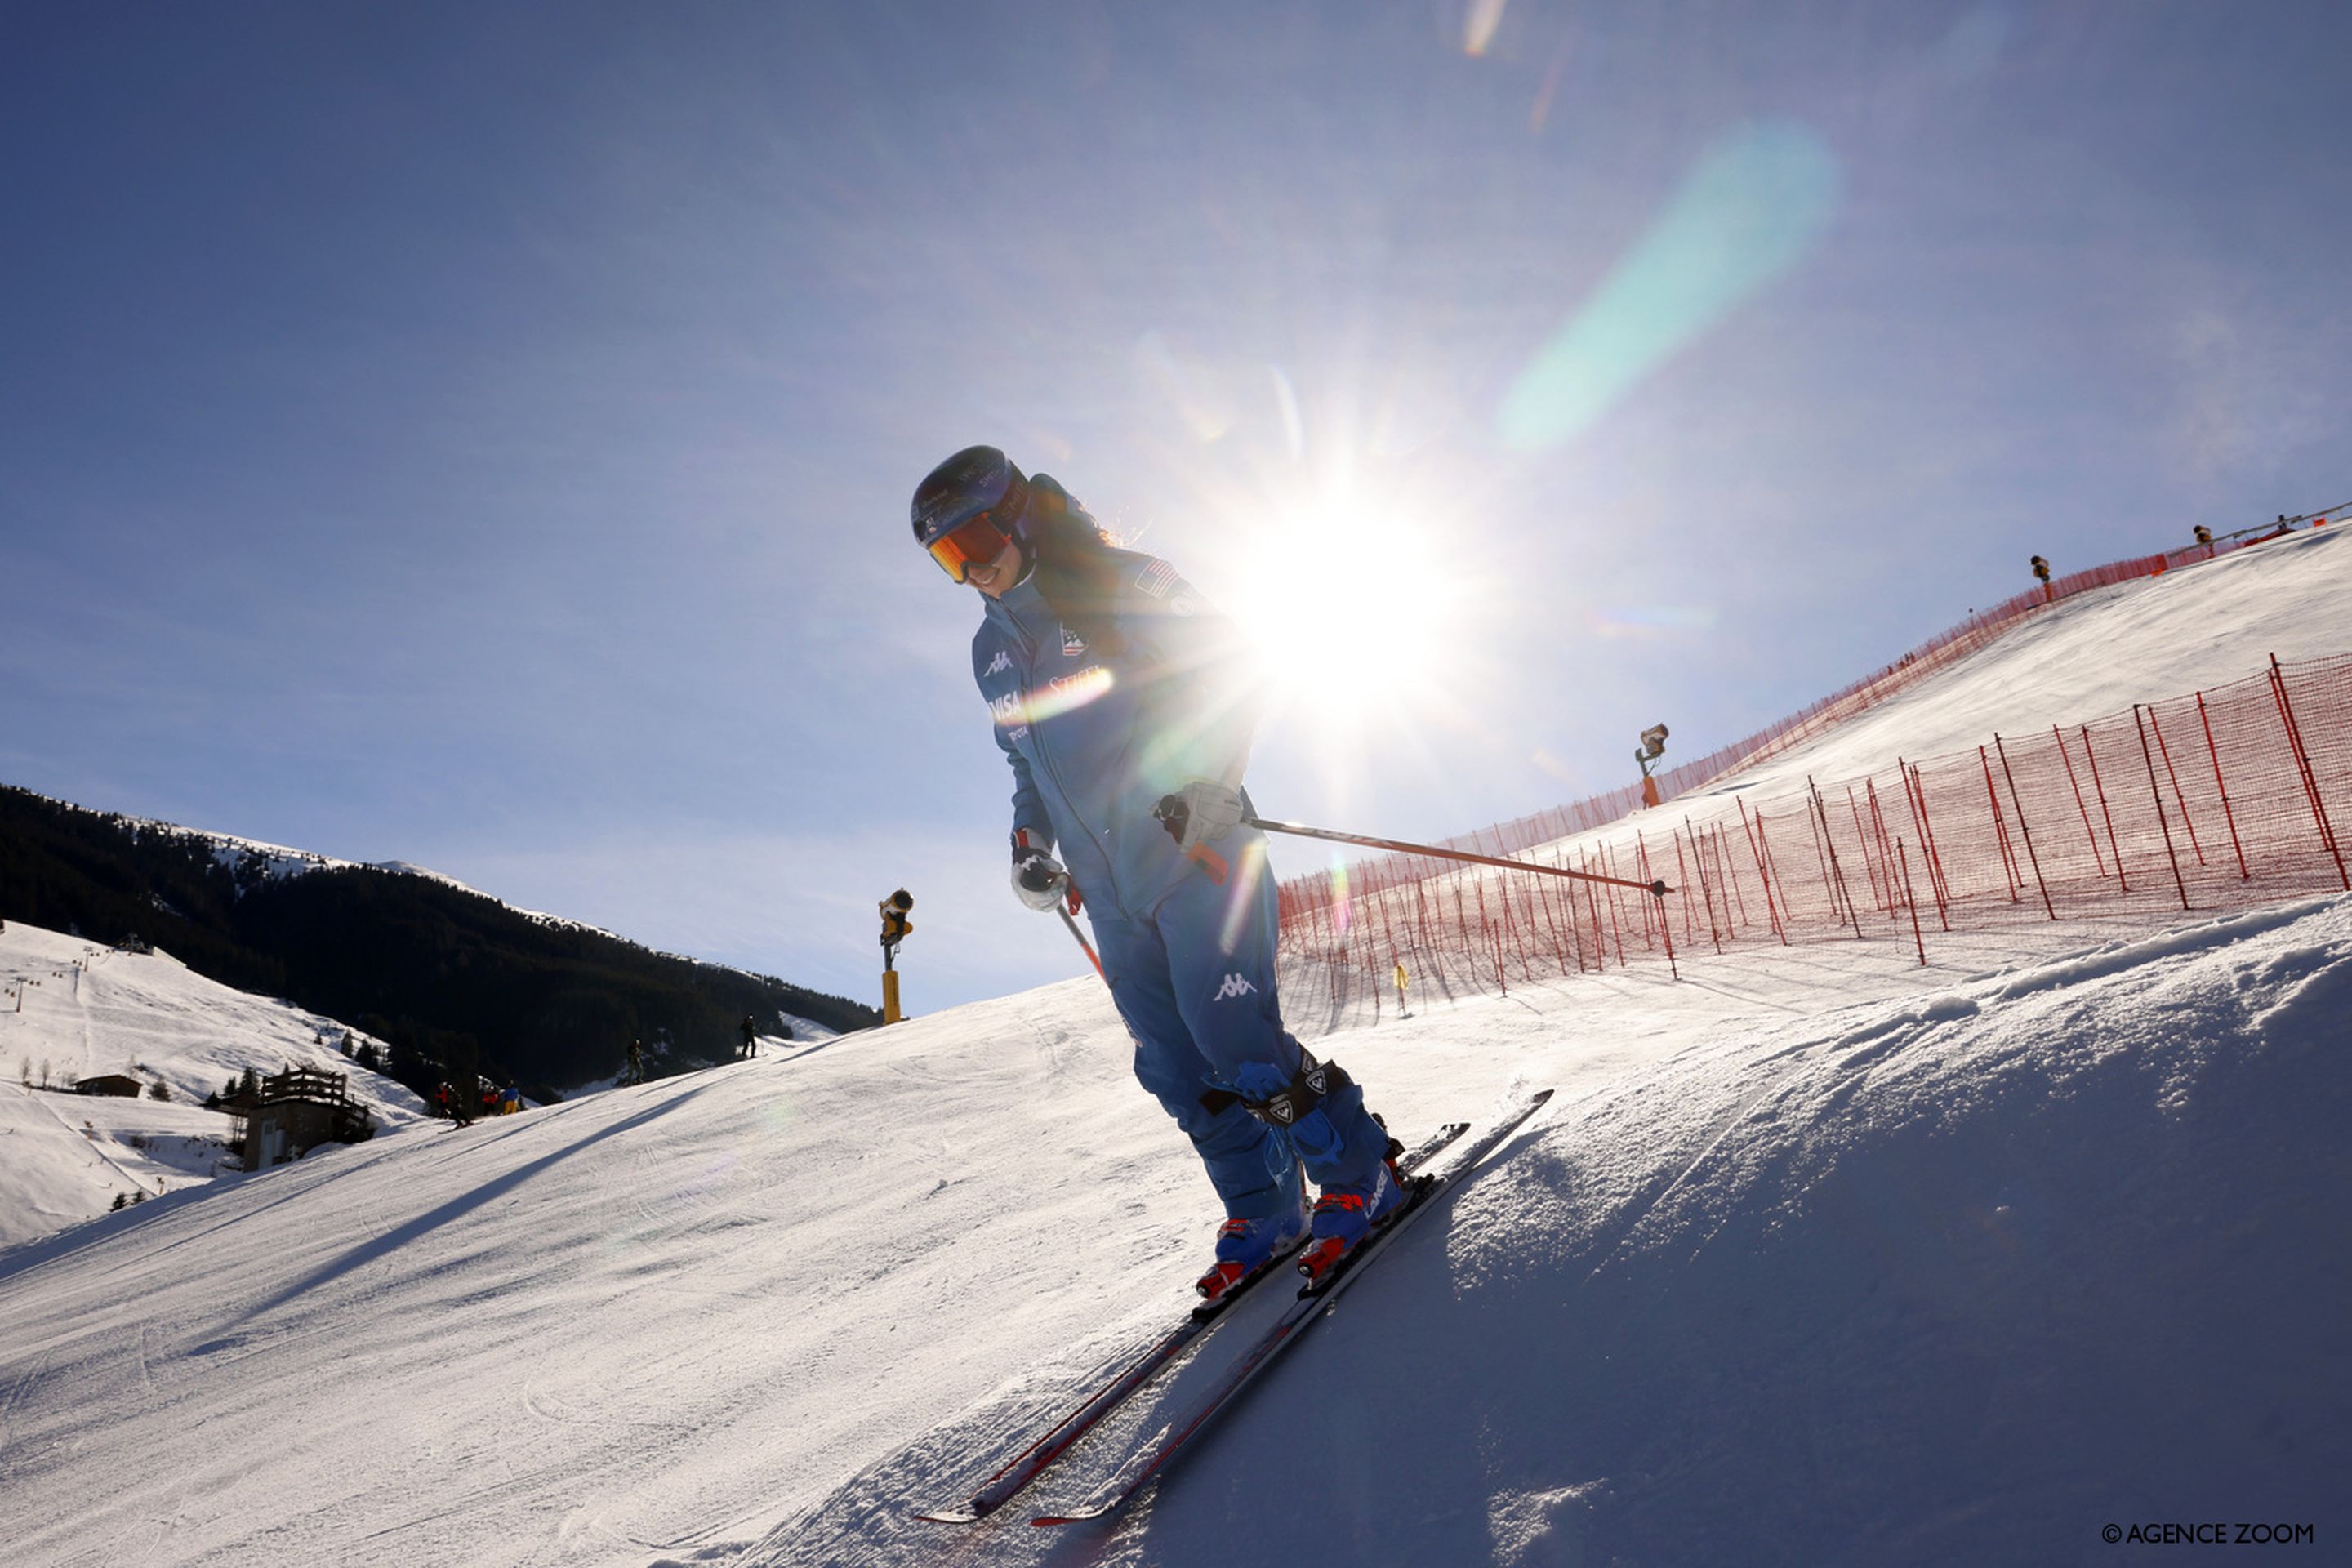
(1075, 570)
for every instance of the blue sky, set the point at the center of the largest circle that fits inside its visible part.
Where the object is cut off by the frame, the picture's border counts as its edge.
(480, 435)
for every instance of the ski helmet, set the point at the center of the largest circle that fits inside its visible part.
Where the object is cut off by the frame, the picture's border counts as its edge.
(967, 508)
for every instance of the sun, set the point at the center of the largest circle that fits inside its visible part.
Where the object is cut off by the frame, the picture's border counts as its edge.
(1348, 606)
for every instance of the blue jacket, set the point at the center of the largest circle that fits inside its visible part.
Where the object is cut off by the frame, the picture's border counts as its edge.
(1096, 738)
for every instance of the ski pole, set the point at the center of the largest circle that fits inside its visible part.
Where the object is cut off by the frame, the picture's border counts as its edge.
(1171, 811)
(1084, 945)
(1402, 846)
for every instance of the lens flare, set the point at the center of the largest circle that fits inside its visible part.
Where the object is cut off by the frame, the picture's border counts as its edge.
(1755, 205)
(1242, 892)
(1054, 700)
(1478, 26)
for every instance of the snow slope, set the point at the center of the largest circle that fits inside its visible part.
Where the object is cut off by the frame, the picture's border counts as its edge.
(2194, 628)
(1818, 1257)
(88, 1010)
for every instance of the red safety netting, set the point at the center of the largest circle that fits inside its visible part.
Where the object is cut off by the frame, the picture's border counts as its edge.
(2217, 800)
(1941, 651)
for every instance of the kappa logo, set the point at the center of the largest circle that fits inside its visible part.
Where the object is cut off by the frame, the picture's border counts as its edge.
(999, 664)
(1234, 985)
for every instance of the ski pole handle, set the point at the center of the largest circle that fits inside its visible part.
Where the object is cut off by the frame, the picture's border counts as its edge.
(1209, 860)
(1173, 813)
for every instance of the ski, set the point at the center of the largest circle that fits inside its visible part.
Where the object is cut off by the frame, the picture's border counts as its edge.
(1314, 1301)
(1064, 1433)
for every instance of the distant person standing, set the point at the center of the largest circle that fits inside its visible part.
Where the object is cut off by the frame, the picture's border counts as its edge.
(750, 1038)
(1399, 985)
(636, 1063)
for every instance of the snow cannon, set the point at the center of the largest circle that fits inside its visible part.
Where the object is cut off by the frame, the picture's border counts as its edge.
(1653, 747)
(894, 928)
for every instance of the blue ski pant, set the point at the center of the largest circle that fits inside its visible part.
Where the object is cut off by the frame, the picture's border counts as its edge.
(1194, 982)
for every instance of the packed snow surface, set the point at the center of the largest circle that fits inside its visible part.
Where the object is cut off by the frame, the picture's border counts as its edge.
(1818, 1255)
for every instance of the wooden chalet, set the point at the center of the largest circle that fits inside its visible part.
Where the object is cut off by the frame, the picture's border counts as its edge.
(120, 1085)
(296, 1110)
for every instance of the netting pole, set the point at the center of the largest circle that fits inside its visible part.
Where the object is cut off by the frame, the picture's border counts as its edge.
(1330, 945)
(1813, 820)
(1575, 937)
(2098, 859)
(1914, 790)
(1511, 923)
(2178, 798)
(2310, 774)
(2100, 789)
(1936, 880)
(2024, 831)
(2011, 874)
(1690, 928)
(1772, 866)
(1486, 930)
(2227, 815)
(1535, 937)
(1616, 919)
(1599, 937)
(2157, 795)
(1835, 869)
(1551, 919)
(1698, 857)
(1913, 899)
(1666, 925)
(1730, 867)
(1869, 862)
(1885, 850)
(1751, 830)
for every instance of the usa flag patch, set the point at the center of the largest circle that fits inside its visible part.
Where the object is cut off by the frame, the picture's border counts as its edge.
(1157, 579)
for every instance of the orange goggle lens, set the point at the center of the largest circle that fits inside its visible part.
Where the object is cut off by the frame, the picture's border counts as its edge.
(969, 544)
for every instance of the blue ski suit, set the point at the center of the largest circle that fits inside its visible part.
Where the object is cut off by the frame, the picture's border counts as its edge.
(1095, 738)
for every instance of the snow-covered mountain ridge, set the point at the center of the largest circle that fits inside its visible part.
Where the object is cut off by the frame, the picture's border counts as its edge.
(250, 860)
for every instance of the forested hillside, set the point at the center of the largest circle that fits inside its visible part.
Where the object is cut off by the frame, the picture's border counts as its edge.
(456, 981)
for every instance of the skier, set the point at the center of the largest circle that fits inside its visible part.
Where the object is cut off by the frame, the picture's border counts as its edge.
(1123, 703)
(751, 1046)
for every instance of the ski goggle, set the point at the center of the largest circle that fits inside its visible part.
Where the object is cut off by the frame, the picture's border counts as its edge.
(969, 544)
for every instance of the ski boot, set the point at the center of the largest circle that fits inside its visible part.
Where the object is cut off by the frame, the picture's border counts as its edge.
(1247, 1247)
(1345, 1215)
